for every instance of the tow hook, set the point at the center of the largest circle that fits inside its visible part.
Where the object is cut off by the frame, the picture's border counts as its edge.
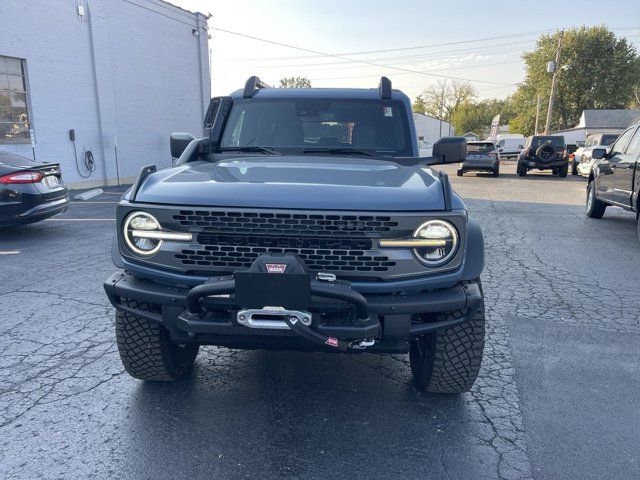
(326, 277)
(362, 344)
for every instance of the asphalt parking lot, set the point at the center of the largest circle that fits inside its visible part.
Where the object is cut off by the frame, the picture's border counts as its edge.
(557, 396)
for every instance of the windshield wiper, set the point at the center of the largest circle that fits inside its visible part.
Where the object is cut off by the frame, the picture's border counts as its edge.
(337, 150)
(253, 148)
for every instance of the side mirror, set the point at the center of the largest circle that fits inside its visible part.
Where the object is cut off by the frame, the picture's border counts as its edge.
(501, 150)
(598, 153)
(178, 142)
(450, 149)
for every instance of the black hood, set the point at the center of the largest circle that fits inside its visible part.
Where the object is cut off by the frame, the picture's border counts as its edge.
(309, 182)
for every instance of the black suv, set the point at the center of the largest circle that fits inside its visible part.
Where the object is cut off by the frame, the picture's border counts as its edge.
(304, 221)
(615, 176)
(544, 152)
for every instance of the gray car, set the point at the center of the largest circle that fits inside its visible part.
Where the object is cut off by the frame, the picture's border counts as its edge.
(481, 157)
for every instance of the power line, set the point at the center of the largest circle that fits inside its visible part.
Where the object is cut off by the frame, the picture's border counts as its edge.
(408, 73)
(316, 52)
(303, 57)
(403, 57)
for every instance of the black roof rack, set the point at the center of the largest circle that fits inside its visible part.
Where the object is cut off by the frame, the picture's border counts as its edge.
(384, 88)
(252, 85)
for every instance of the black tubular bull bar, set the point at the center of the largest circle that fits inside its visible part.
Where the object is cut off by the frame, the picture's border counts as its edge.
(337, 291)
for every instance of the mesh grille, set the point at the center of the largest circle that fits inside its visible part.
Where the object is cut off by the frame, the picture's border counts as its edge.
(284, 223)
(227, 252)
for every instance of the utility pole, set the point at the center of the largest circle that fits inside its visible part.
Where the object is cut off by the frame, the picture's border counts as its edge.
(535, 130)
(555, 72)
(441, 109)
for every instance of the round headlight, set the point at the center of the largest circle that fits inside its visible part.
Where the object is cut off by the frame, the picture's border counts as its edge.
(445, 237)
(135, 228)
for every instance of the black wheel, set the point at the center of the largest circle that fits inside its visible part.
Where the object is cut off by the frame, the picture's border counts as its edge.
(562, 172)
(574, 168)
(459, 173)
(521, 170)
(146, 350)
(496, 172)
(595, 207)
(448, 361)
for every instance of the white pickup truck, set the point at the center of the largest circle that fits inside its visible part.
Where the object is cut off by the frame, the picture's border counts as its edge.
(582, 160)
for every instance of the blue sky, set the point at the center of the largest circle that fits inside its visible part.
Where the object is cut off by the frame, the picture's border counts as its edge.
(341, 27)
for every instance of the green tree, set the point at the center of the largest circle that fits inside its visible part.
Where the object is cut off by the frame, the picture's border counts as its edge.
(444, 98)
(476, 116)
(418, 105)
(602, 71)
(295, 82)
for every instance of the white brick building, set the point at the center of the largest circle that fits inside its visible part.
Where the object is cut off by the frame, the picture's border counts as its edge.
(123, 74)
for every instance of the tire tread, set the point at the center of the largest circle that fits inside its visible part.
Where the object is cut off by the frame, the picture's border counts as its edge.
(146, 349)
(455, 355)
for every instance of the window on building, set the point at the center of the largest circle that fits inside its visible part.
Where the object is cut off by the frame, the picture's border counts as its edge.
(14, 115)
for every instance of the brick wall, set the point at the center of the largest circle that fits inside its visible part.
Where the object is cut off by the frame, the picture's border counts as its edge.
(129, 67)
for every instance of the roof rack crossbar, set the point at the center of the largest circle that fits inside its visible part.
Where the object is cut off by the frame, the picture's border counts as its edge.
(385, 88)
(252, 85)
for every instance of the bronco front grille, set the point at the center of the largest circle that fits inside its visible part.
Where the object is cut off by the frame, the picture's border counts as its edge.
(297, 224)
(228, 252)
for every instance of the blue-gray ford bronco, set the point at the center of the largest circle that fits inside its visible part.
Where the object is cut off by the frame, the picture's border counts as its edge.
(303, 220)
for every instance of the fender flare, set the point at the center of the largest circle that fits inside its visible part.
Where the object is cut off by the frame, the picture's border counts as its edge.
(474, 257)
(115, 253)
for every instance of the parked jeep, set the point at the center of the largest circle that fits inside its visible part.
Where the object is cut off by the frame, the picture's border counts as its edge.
(544, 152)
(304, 220)
(615, 176)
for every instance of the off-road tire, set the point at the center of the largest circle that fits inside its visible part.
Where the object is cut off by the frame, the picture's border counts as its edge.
(521, 170)
(448, 361)
(496, 172)
(459, 173)
(574, 168)
(551, 153)
(146, 349)
(562, 171)
(595, 207)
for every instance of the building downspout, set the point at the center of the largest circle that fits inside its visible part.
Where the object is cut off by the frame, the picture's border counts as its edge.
(97, 93)
(103, 85)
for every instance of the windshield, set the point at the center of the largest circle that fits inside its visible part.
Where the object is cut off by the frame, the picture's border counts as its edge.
(292, 125)
(555, 141)
(608, 139)
(480, 147)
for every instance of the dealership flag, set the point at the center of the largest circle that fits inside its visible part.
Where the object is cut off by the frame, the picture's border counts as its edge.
(493, 135)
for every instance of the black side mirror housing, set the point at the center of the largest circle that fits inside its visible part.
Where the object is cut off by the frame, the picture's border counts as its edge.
(598, 153)
(178, 142)
(450, 149)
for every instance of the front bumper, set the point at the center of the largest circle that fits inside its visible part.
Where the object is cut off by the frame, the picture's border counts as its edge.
(208, 313)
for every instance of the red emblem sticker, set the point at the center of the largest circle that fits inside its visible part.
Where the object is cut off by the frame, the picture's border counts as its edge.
(332, 342)
(276, 267)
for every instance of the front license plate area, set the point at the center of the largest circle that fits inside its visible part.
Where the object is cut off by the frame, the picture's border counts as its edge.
(258, 290)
